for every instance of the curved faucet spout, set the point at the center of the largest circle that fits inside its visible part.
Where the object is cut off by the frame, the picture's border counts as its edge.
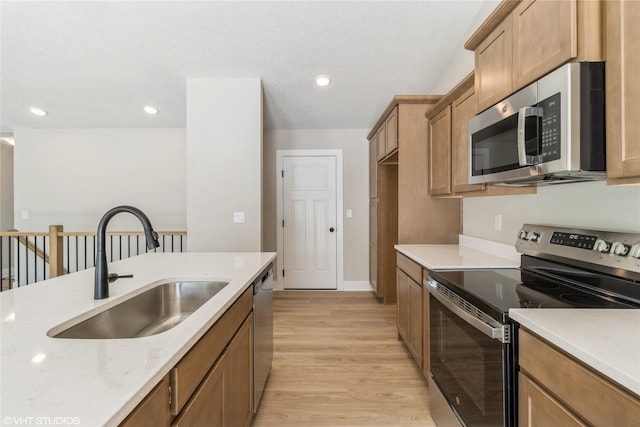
(102, 274)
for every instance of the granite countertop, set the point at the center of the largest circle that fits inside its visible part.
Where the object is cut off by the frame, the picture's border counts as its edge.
(99, 382)
(607, 340)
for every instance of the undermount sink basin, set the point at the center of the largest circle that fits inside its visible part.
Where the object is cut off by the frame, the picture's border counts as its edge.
(156, 310)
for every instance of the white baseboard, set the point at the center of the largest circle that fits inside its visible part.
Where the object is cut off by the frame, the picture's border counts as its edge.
(357, 286)
(348, 286)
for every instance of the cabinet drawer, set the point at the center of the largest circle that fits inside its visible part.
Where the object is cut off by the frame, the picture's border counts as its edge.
(207, 401)
(595, 398)
(189, 372)
(153, 411)
(412, 268)
(538, 408)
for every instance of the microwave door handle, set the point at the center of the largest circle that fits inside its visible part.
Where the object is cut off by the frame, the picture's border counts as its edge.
(523, 113)
(500, 333)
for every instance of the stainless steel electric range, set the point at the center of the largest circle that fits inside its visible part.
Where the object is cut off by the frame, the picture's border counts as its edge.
(473, 342)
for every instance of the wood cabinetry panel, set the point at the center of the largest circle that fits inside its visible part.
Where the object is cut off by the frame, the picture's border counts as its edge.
(373, 170)
(238, 378)
(440, 153)
(544, 37)
(206, 405)
(462, 110)
(391, 125)
(494, 64)
(153, 411)
(536, 408)
(623, 89)
(381, 142)
(410, 267)
(189, 372)
(594, 398)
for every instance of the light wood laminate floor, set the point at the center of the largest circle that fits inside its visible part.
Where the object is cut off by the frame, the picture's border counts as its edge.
(338, 362)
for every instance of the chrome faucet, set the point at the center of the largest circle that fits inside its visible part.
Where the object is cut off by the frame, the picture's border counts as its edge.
(102, 274)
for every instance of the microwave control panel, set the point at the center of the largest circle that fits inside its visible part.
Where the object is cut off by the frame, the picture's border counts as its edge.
(550, 128)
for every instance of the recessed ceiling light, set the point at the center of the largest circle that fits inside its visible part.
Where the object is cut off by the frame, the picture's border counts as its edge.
(150, 110)
(323, 81)
(38, 111)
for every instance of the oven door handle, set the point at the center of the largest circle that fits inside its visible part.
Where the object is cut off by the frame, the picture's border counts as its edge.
(523, 113)
(500, 333)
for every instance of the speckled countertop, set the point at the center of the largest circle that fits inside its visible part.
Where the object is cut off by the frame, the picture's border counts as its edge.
(98, 382)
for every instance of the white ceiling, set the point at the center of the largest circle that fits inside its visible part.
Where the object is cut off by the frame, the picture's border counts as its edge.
(96, 63)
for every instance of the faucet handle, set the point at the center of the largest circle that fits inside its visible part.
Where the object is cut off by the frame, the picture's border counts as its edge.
(115, 276)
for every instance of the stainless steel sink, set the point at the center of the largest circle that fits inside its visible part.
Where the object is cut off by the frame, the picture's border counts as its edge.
(156, 310)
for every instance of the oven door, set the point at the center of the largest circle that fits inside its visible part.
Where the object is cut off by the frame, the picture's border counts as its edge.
(470, 366)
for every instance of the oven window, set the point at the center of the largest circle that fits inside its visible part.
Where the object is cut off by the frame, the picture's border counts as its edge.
(495, 148)
(467, 366)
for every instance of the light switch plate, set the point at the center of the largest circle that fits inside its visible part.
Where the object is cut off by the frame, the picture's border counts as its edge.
(238, 217)
(497, 222)
(349, 213)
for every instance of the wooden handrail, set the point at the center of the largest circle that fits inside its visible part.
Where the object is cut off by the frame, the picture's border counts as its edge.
(56, 248)
(118, 233)
(23, 239)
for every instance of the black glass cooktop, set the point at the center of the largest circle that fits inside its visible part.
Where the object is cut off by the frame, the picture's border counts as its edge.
(495, 291)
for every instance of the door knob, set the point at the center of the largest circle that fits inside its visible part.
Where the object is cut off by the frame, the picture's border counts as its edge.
(331, 229)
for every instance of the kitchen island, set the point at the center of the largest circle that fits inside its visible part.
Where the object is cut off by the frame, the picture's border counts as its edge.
(93, 382)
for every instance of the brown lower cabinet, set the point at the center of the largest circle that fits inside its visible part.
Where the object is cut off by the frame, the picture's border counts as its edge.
(409, 283)
(556, 389)
(212, 384)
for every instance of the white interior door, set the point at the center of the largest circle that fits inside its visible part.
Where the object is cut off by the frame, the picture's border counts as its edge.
(309, 222)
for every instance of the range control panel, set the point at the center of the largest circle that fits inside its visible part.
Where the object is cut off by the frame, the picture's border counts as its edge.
(607, 248)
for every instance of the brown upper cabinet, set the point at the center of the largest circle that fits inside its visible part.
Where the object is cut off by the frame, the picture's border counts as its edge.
(449, 146)
(387, 135)
(622, 88)
(524, 40)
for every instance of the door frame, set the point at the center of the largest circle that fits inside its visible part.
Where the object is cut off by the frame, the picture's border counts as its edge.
(280, 154)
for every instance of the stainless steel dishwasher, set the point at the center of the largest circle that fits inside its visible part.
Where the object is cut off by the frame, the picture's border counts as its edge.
(262, 332)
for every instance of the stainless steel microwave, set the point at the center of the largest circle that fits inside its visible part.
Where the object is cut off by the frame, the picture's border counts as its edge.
(552, 131)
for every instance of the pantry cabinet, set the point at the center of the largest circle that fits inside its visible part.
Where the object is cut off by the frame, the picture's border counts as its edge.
(622, 88)
(409, 279)
(401, 195)
(556, 389)
(522, 41)
(449, 147)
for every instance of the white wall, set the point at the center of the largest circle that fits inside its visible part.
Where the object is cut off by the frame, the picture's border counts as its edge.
(224, 167)
(354, 146)
(589, 205)
(6, 186)
(73, 176)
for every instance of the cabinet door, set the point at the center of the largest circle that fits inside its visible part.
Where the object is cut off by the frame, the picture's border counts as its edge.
(494, 63)
(462, 110)
(373, 169)
(206, 405)
(536, 408)
(153, 411)
(391, 125)
(402, 281)
(440, 153)
(544, 37)
(381, 142)
(238, 378)
(623, 89)
(415, 321)
(373, 269)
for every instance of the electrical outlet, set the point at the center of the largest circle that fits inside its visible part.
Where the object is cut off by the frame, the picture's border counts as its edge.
(349, 213)
(497, 222)
(24, 215)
